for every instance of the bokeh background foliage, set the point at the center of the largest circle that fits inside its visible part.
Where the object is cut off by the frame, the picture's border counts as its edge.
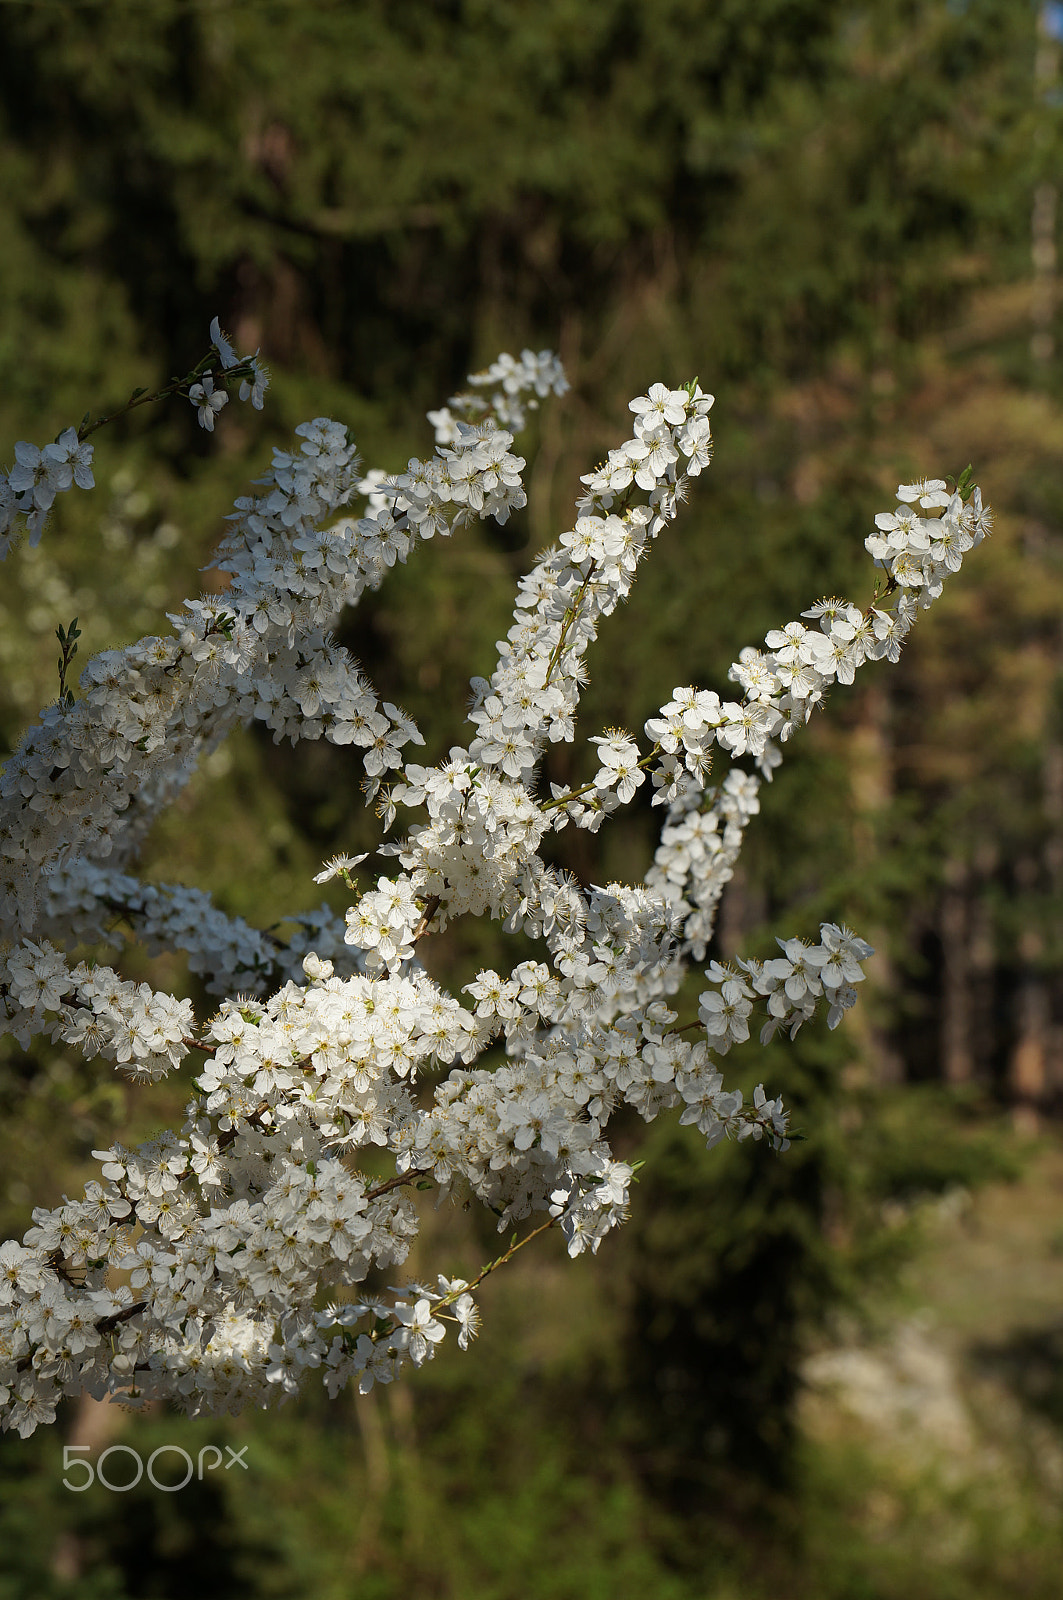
(824, 210)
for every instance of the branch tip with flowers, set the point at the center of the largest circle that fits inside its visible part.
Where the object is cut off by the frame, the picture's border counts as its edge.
(192, 1268)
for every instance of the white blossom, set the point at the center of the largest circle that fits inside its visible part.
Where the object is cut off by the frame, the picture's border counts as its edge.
(226, 1230)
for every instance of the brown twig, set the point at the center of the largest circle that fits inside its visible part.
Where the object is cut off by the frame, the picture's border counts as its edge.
(140, 397)
(499, 1261)
(430, 909)
(254, 1118)
(397, 1181)
(109, 1324)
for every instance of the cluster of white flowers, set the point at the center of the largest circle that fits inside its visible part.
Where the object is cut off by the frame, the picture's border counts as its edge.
(533, 694)
(28, 489)
(208, 401)
(695, 859)
(192, 1269)
(918, 552)
(794, 983)
(145, 1033)
(86, 903)
(518, 388)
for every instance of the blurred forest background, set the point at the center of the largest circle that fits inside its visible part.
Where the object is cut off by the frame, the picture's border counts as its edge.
(836, 1374)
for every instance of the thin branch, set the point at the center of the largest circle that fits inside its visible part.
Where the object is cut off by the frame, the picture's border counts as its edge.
(139, 397)
(397, 1182)
(430, 909)
(499, 1261)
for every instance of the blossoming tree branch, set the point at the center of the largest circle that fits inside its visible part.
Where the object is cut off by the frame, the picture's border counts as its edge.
(197, 1267)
